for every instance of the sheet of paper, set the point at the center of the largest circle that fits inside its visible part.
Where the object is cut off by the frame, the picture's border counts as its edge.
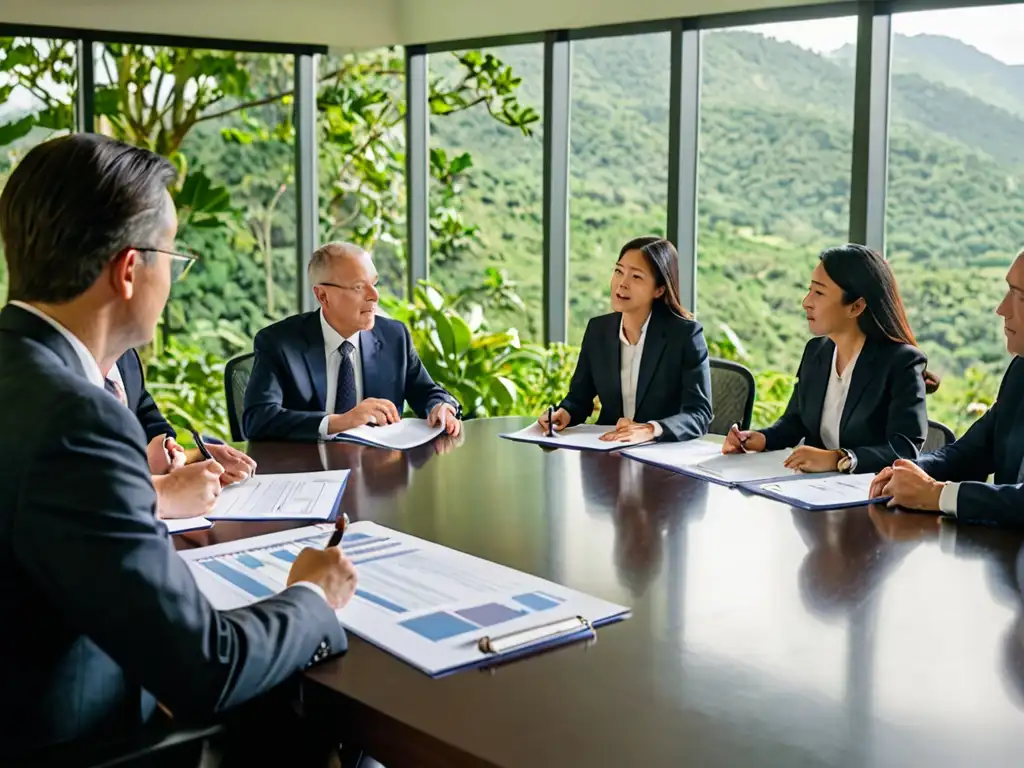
(820, 491)
(585, 437)
(298, 496)
(678, 455)
(747, 467)
(182, 525)
(400, 436)
(426, 604)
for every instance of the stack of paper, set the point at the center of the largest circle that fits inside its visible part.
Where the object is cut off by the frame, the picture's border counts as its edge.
(426, 604)
(819, 492)
(400, 436)
(703, 458)
(185, 524)
(585, 437)
(298, 496)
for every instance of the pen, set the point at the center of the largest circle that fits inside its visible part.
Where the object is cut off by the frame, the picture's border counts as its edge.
(551, 421)
(743, 440)
(199, 442)
(338, 532)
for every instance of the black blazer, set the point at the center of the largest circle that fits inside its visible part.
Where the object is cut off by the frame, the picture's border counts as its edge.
(140, 402)
(286, 394)
(884, 418)
(674, 382)
(993, 445)
(101, 615)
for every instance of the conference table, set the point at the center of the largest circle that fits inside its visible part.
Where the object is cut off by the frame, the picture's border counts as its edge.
(759, 634)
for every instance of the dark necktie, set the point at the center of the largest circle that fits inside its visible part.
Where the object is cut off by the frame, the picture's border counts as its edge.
(116, 390)
(345, 397)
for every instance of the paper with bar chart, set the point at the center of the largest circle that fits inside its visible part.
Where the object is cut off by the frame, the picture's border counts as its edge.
(426, 604)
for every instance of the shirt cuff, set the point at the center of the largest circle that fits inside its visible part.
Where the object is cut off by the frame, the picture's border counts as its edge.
(658, 429)
(313, 588)
(948, 498)
(323, 426)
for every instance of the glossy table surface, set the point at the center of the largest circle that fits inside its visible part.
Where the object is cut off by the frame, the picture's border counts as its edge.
(759, 635)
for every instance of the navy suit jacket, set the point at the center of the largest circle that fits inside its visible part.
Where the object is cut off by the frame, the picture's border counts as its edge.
(101, 615)
(674, 381)
(286, 395)
(994, 445)
(884, 418)
(140, 402)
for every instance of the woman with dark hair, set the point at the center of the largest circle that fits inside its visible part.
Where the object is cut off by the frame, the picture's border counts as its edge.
(647, 361)
(859, 400)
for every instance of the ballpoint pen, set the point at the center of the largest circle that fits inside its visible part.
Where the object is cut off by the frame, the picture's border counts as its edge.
(339, 531)
(551, 421)
(199, 442)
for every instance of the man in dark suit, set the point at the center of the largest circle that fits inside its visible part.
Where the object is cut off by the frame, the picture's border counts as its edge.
(186, 484)
(101, 616)
(954, 480)
(342, 366)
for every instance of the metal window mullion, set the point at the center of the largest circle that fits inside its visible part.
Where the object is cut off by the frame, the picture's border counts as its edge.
(306, 181)
(417, 165)
(557, 94)
(85, 98)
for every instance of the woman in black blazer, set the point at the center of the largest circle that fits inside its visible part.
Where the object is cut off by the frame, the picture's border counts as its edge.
(647, 361)
(859, 400)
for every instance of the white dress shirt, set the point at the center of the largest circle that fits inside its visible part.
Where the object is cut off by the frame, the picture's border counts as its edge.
(332, 352)
(630, 356)
(948, 498)
(835, 401)
(93, 373)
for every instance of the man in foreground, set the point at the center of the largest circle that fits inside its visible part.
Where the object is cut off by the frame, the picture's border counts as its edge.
(954, 479)
(321, 373)
(101, 616)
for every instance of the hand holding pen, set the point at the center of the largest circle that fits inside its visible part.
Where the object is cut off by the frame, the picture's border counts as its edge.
(553, 421)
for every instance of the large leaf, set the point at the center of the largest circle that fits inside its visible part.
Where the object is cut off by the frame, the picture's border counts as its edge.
(11, 132)
(463, 335)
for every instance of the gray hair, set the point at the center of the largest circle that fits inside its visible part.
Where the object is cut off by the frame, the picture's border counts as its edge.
(322, 258)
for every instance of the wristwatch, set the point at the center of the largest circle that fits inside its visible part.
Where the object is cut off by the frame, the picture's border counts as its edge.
(847, 461)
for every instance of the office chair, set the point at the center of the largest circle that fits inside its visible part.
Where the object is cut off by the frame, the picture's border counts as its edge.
(236, 379)
(732, 395)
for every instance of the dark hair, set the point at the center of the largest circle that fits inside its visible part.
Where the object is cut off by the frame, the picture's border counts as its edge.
(662, 258)
(863, 274)
(72, 205)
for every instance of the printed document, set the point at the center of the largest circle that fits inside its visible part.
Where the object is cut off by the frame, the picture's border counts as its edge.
(585, 437)
(819, 491)
(298, 496)
(400, 436)
(426, 604)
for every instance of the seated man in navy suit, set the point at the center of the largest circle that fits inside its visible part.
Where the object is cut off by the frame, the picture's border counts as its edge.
(342, 366)
(955, 480)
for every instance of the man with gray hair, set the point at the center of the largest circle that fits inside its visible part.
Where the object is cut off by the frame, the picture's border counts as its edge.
(342, 366)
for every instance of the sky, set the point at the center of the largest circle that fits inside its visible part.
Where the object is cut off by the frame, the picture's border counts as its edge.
(995, 30)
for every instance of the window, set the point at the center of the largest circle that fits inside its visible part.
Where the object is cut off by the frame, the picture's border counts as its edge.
(618, 166)
(41, 75)
(955, 204)
(774, 179)
(361, 136)
(486, 197)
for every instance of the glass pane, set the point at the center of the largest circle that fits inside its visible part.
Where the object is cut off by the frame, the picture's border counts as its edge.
(955, 206)
(486, 196)
(361, 134)
(774, 186)
(42, 75)
(618, 165)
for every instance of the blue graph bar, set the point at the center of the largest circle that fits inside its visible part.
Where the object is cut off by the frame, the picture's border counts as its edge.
(284, 554)
(535, 601)
(364, 560)
(382, 602)
(437, 626)
(249, 561)
(239, 579)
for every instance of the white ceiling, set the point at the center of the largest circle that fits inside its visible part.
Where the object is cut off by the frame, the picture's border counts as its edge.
(356, 24)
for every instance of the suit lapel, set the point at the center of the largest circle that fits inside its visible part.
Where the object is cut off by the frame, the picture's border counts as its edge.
(611, 343)
(369, 352)
(315, 358)
(816, 381)
(654, 346)
(863, 373)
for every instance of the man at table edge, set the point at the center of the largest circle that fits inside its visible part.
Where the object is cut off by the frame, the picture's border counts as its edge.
(954, 479)
(341, 366)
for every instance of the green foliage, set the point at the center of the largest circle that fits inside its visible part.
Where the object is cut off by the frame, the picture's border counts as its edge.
(187, 380)
(490, 372)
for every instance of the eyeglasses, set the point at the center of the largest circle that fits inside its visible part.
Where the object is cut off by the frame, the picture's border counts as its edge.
(357, 288)
(181, 263)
